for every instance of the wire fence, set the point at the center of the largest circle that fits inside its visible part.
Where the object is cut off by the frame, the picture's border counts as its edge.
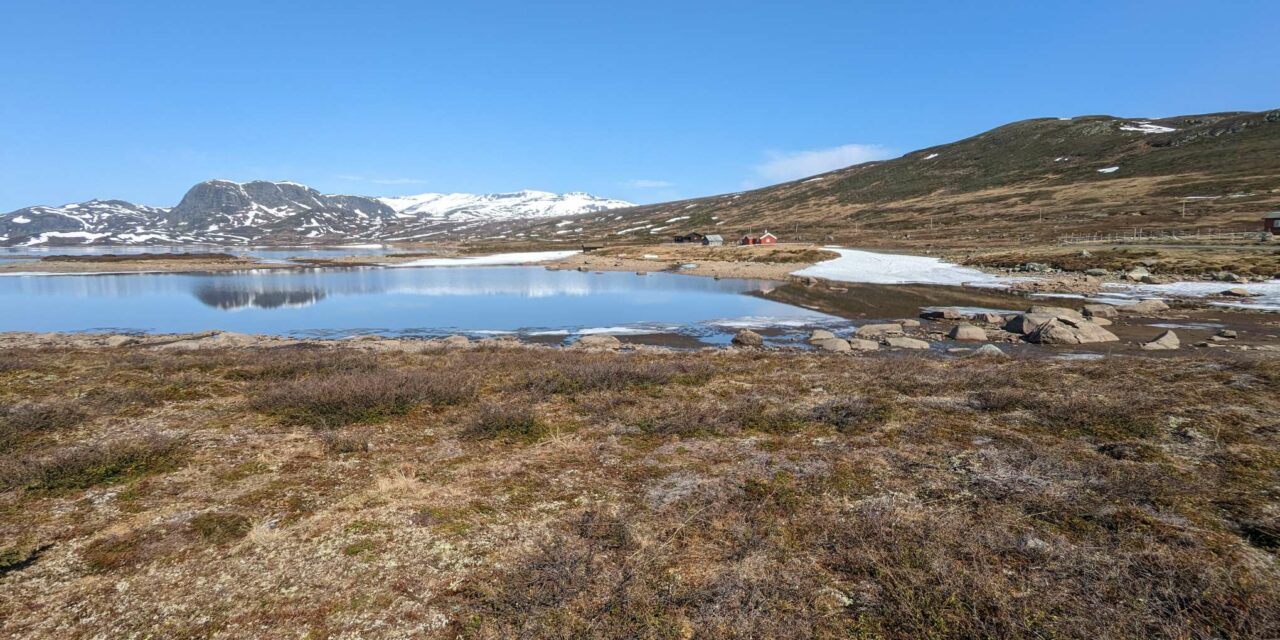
(1160, 235)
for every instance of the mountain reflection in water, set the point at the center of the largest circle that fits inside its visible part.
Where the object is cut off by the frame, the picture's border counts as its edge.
(230, 298)
(416, 301)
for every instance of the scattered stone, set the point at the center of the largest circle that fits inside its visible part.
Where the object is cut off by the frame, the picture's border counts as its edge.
(858, 344)
(909, 323)
(1035, 267)
(604, 341)
(902, 342)
(1149, 280)
(877, 330)
(747, 338)
(1150, 305)
(1084, 253)
(1066, 331)
(968, 332)
(1227, 333)
(1226, 276)
(1137, 273)
(1057, 312)
(989, 351)
(1237, 292)
(989, 318)
(1166, 340)
(1098, 273)
(942, 314)
(819, 335)
(833, 344)
(1095, 311)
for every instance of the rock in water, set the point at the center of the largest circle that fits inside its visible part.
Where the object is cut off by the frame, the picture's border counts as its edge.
(1100, 311)
(902, 342)
(1066, 331)
(819, 335)
(832, 344)
(877, 330)
(1237, 292)
(968, 332)
(598, 342)
(1150, 305)
(1166, 340)
(941, 314)
(748, 338)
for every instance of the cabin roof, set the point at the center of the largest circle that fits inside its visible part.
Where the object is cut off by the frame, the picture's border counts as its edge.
(715, 238)
(1273, 215)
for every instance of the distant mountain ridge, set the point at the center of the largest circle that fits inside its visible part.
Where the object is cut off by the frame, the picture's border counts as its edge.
(263, 212)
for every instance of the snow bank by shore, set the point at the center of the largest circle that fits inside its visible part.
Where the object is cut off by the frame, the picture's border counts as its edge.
(529, 257)
(888, 268)
(1266, 295)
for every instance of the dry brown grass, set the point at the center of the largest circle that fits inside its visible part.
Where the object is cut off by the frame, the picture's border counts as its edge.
(721, 495)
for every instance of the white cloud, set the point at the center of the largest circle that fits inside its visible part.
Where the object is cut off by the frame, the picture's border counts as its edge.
(649, 184)
(386, 181)
(790, 165)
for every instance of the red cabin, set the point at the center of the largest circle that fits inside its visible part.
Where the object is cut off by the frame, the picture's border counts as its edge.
(1271, 223)
(767, 238)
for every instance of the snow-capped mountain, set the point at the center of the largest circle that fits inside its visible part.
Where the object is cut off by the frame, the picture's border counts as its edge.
(227, 212)
(470, 207)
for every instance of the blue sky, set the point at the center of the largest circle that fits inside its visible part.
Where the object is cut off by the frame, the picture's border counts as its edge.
(645, 101)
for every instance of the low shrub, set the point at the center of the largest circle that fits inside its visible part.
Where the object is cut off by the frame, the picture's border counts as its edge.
(851, 413)
(615, 374)
(516, 420)
(331, 401)
(27, 418)
(84, 466)
(220, 528)
(339, 442)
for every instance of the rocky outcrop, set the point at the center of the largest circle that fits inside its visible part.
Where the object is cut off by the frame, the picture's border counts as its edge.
(1150, 305)
(1095, 311)
(748, 338)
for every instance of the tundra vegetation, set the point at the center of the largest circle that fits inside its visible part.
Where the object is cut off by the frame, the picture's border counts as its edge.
(519, 492)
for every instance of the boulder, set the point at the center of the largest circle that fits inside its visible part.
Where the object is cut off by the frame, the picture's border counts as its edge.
(1096, 311)
(909, 323)
(119, 341)
(598, 341)
(902, 342)
(455, 340)
(819, 335)
(1137, 273)
(989, 318)
(1059, 312)
(1066, 331)
(748, 338)
(1226, 276)
(941, 314)
(1025, 323)
(1166, 340)
(1237, 292)
(1229, 334)
(1101, 322)
(989, 351)
(1150, 305)
(968, 332)
(858, 344)
(877, 330)
(832, 344)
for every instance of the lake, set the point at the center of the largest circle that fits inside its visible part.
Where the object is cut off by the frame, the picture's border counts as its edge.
(334, 303)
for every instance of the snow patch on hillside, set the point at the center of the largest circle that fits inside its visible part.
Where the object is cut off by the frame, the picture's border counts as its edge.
(888, 268)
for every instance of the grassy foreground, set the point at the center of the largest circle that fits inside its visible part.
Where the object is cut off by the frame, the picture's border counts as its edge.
(514, 492)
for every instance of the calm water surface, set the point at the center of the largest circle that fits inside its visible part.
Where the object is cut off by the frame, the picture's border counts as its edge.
(396, 301)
